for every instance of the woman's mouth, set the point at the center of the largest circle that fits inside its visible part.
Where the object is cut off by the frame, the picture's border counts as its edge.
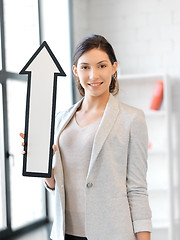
(95, 84)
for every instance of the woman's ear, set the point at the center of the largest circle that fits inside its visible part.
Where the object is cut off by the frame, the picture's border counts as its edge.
(115, 64)
(74, 68)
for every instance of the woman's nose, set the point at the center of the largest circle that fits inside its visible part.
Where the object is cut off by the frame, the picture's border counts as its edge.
(93, 74)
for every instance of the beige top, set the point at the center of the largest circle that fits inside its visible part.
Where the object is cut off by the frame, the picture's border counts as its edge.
(75, 147)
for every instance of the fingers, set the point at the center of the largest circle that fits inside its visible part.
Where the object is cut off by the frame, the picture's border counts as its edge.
(21, 135)
(23, 152)
(54, 148)
(52, 173)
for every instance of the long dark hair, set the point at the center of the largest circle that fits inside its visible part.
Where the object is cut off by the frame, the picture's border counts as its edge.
(96, 41)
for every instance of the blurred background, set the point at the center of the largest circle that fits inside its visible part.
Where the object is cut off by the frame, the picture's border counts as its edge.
(146, 38)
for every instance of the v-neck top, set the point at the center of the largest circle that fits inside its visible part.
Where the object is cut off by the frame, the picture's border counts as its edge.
(75, 145)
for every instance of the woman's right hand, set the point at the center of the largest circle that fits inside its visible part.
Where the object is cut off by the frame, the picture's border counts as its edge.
(49, 181)
(22, 135)
(23, 152)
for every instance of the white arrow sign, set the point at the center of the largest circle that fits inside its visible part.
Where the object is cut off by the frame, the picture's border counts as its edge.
(43, 70)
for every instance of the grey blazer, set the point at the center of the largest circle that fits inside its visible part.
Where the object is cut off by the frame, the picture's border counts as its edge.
(116, 190)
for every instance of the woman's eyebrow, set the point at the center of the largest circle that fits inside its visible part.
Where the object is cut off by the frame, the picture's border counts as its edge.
(102, 61)
(84, 63)
(97, 63)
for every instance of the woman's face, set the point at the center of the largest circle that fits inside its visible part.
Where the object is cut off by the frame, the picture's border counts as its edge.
(94, 70)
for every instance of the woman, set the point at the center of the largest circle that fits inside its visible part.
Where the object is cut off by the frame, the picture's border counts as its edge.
(100, 161)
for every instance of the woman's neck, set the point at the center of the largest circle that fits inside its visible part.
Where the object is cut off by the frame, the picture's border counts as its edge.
(94, 103)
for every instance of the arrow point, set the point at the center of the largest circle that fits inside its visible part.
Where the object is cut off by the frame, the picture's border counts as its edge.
(27, 70)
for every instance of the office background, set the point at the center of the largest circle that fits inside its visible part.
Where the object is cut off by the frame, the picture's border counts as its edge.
(145, 35)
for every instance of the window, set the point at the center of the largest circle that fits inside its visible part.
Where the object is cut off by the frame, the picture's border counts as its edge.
(24, 191)
(2, 169)
(21, 32)
(55, 26)
(0, 52)
(23, 199)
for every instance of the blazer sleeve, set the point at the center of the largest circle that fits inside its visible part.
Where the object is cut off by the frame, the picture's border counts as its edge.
(136, 174)
(58, 118)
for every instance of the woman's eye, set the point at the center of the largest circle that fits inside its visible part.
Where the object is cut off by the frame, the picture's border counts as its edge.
(84, 67)
(102, 66)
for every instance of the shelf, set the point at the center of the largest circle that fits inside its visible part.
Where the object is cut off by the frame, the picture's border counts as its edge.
(157, 152)
(140, 77)
(159, 188)
(154, 113)
(161, 224)
(138, 91)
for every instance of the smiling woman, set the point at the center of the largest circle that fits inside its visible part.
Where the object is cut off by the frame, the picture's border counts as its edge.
(100, 163)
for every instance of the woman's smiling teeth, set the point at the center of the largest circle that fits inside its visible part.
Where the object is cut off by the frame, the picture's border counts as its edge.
(95, 84)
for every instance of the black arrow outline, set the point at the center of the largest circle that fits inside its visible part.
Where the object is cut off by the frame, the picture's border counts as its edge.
(56, 74)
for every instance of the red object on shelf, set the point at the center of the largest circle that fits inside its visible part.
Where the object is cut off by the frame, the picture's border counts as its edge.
(149, 145)
(157, 96)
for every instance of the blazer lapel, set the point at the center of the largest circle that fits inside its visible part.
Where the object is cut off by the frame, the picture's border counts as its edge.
(106, 124)
(66, 119)
(57, 157)
(60, 127)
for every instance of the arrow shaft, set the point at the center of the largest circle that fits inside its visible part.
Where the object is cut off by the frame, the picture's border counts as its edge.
(40, 116)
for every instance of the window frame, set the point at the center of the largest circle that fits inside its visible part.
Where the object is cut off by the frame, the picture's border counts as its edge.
(4, 76)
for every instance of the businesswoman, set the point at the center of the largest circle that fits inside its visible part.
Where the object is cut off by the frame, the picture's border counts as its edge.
(100, 160)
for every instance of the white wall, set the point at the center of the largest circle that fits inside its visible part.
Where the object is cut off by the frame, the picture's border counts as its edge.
(144, 33)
